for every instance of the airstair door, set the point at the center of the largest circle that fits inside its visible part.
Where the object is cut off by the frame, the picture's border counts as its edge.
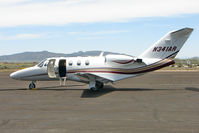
(51, 68)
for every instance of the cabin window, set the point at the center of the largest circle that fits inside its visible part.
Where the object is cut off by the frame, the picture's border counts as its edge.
(70, 63)
(78, 62)
(87, 62)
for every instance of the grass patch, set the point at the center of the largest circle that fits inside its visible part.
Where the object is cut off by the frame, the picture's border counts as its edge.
(7, 66)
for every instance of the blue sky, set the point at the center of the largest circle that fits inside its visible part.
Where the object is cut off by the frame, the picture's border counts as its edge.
(67, 26)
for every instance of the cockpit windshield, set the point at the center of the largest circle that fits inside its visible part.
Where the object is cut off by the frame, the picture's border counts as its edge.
(41, 63)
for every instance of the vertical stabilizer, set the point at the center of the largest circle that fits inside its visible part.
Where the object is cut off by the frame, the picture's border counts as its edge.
(169, 45)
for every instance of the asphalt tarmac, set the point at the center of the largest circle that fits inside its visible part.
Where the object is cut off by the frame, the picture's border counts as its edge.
(158, 102)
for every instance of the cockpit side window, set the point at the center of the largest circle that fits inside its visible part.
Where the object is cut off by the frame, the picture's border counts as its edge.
(41, 63)
(46, 63)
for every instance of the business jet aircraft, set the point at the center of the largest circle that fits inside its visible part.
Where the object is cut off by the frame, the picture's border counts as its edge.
(99, 70)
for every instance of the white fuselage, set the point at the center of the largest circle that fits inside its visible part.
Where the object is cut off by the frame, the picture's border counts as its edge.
(109, 68)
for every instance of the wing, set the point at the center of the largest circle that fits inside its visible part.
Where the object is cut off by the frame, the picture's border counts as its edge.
(96, 76)
(102, 77)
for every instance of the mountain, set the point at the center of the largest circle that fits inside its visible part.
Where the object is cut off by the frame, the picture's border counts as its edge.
(195, 58)
(38, 56)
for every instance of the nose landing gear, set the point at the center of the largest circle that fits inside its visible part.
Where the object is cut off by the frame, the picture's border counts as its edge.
(32, 85)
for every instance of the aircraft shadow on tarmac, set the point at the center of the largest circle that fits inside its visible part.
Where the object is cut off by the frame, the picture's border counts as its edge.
(192, 89)
(108, 89)
(89, 94)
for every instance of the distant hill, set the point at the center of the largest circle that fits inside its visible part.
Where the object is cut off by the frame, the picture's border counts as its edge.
(38, 56)
(195, 58)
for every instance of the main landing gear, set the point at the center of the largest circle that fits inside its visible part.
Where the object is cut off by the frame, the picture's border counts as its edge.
(94, 87)
(32, 85)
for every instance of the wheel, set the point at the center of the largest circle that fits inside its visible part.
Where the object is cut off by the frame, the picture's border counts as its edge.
(94, 89)
(32, 86)
(99, 85)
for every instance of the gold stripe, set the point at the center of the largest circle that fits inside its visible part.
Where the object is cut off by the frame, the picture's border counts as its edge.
(144, 68)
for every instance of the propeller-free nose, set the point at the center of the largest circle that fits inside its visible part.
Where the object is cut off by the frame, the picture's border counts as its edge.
(28, 73)
(14, 75)
(20, 74)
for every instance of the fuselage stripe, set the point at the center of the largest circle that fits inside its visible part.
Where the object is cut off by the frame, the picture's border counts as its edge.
(123, 72)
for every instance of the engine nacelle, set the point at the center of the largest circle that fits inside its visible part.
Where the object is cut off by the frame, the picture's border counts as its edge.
(119, 59)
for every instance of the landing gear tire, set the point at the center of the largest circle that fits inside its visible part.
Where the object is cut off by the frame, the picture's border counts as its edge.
(32, 86)
(94, 89)
(98, 86)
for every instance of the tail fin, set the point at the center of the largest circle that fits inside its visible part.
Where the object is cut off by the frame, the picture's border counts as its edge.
(169, 45)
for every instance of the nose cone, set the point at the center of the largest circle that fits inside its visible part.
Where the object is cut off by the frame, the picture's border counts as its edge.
(19, 74)
(14, 75)
(27, 73)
